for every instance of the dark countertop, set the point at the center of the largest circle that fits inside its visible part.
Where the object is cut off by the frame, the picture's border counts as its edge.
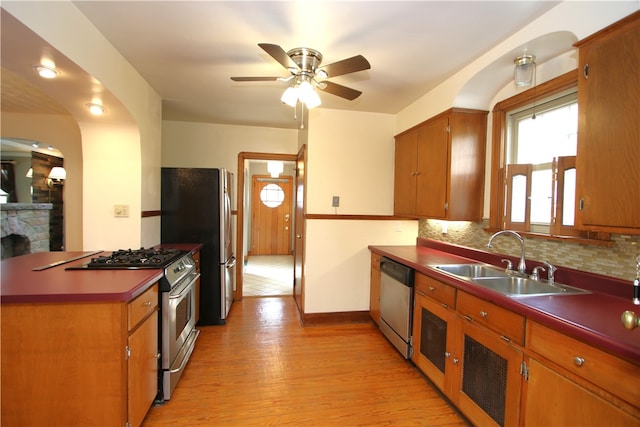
(20, 284)
(593, 318)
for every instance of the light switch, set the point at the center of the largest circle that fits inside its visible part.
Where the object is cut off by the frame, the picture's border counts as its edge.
(335, 202)
(121, 211)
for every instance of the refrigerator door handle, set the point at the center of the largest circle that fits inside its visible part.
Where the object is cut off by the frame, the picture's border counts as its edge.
(231, 263)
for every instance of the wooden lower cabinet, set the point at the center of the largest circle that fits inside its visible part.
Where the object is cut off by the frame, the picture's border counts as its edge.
(435, 332)
(374, 291)
(489, 384)
(476, 368)
(554, 400)
(82, 363)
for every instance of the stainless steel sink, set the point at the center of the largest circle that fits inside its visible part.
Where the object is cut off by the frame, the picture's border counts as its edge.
(471, 271)
(522, 287)
(498, 280)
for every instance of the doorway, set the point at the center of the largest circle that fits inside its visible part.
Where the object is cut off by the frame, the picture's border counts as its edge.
(265, 225)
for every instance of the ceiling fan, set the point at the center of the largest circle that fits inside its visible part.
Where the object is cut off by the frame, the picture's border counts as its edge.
(304, 65)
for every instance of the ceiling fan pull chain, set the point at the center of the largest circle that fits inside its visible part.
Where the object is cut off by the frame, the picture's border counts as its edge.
(301, 115)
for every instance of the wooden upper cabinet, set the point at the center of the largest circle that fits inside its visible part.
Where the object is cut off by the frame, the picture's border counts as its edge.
(608, 176)
(439, 167)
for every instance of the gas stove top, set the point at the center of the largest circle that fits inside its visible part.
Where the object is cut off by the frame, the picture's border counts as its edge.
(134, 259)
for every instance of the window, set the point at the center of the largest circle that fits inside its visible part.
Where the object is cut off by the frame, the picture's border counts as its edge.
(533, 176)
(272, 195)
(537, 137)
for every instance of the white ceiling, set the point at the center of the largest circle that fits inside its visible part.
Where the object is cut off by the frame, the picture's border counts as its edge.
(187, 51)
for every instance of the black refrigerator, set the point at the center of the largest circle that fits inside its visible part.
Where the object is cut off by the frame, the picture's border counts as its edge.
(196, 208)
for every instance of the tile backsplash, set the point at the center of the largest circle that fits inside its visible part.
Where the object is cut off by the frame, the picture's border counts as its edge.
(617, 261)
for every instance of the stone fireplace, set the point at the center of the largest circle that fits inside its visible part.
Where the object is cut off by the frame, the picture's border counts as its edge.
(25, 228)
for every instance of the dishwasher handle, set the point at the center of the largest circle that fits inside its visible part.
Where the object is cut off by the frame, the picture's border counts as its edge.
(397, 271)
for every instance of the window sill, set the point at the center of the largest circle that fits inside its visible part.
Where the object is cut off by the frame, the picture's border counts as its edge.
(569, 239)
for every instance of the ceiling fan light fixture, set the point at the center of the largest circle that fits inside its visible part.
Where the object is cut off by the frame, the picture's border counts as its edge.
(308, 95)
(290, 96)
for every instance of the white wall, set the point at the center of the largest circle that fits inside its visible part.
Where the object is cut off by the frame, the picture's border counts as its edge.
(338, 261)
(68, 31)
(207, 145)
(349, 154)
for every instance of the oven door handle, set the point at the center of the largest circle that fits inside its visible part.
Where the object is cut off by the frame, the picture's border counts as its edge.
(186, 288)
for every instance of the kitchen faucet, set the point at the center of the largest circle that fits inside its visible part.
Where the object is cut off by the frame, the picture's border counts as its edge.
(522, 267)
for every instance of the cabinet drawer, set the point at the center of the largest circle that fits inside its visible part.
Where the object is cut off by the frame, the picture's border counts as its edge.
(426, 286)
(609, 372)
(498, 319)
(140, 307)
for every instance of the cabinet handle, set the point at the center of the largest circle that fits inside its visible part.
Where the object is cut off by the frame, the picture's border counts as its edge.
(585, 71)
(468, 318)
(445, 305)
(578, 361)
(581, 207)
(455, 360)
(148, 304)
(431, 289)
(447, 354)
(421, 293)
(483, 314)
(158, 356)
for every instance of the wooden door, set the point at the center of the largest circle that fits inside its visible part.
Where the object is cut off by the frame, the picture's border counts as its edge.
(271, 205)
(298, 247)
(608, 154)
(433, 166)
(404, 192)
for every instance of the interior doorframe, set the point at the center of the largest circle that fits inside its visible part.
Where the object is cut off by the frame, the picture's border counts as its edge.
(240, 210)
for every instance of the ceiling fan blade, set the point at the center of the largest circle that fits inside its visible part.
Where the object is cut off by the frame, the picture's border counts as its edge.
(255, 79)
(339, 90)
(279, 55)
(346, 66)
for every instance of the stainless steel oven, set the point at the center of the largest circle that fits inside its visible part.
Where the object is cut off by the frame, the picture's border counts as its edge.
(177, 329)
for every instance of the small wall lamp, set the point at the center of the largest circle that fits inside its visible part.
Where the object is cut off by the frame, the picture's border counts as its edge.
(57, 176)
(524, 73)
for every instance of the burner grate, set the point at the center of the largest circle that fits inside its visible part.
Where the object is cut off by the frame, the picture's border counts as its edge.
(137, 258)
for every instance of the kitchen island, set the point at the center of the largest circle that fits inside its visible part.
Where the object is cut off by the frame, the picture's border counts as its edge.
(79, 347)
(567, 351)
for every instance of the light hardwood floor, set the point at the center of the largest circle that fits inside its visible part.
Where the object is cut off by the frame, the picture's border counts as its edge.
(264, 369)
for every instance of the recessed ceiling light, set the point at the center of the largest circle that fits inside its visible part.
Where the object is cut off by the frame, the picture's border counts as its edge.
(46, 72)
(96, 109)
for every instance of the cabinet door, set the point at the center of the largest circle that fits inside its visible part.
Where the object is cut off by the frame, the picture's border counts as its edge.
(404, 200)
(433, 168)
(434, 332)
(490, 383)
(554, 400)
(608, 155)
(142, 369)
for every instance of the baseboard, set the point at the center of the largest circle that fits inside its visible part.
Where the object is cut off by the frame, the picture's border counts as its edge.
(313, 319)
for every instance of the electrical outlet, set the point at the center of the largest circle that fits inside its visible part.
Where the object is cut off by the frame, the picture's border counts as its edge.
(335, 202)
(121, 211)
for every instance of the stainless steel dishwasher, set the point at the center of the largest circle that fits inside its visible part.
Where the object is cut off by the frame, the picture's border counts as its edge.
(396, 304)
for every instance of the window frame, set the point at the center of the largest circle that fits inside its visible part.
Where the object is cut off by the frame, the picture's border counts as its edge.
(499, 140)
